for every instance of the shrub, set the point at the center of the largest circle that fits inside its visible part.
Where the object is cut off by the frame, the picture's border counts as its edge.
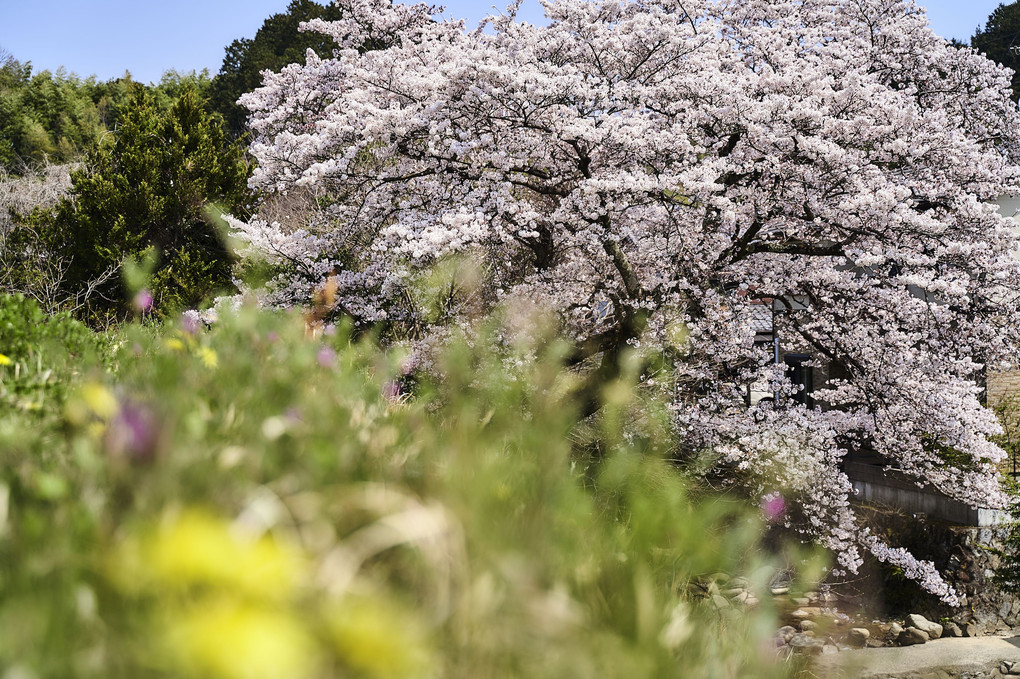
(157, 187)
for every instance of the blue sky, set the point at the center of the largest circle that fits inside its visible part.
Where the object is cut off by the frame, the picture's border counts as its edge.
(147, 37)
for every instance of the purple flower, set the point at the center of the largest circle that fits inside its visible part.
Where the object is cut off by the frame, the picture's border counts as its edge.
(326, 357)
(391, 390)
(773, 506)
(133, 434)
(191, 322)
(143, 301)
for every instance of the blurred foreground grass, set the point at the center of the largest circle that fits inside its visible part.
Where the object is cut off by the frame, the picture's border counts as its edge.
(250, 502)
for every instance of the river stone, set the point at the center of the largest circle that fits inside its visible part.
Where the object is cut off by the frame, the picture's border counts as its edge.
(806, 612)
(932, 629)
(858, 636)
(786, 633)
(952, 630)
(808, 625)
(806, 644)
(895, 630)
(911, 636)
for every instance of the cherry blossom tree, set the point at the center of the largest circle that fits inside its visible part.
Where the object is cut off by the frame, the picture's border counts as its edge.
(657, 172)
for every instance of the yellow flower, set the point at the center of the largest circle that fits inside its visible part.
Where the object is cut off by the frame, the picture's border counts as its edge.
(198, 548)
(100, 400)
(376, 640)
(174, 344)
(5, 361)
(224, 638)
(209, 358)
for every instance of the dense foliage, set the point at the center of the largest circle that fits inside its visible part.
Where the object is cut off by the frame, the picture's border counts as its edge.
(42, 352)
(57, 117)
(159, 186)
(657, 174)
(259, 502)
(45, 117)
(1000, 33)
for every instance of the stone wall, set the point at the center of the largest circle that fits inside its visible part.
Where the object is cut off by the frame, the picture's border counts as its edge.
(1003, 396)
(965, 556)
(1001, 385)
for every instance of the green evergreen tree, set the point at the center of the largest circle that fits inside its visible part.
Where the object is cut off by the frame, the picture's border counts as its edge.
(1000, 33)
(154, 188)
(276, 44)
(113, 98)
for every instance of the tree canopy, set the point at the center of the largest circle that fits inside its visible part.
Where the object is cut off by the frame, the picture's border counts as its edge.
(47, 117)
(1000, 32)
(277, 43)
(655, 177)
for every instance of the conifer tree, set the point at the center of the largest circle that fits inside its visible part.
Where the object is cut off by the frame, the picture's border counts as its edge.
(155, 188)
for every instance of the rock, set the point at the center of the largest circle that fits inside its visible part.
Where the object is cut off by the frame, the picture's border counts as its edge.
(932, 629)
(874, 643)
(720, 601)
(911, 637)
(786, 633)
(830, 649)
(895, 630)
(842, 619)
(806, 612)
(970, 630)
(801, 601)
(952, 630)
(739, 582)
(1004, 609)
(805, 644)
(858, 636)
(735, 591)
(808, 625)
(751, 601)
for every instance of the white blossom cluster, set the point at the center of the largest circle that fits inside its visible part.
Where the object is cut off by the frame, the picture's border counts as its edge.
(640, 166)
